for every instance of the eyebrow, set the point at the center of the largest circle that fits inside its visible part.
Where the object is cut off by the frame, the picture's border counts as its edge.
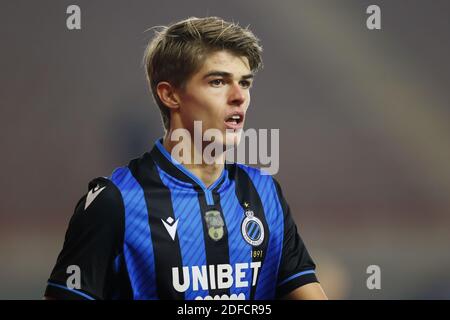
(226, 75)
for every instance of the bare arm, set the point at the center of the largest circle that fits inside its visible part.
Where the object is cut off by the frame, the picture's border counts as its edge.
(310, 291)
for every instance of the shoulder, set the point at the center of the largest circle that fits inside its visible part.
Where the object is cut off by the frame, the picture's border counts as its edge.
(101, 192)
(258, 176)
(262, 180)
(254, 172)
(102, 205)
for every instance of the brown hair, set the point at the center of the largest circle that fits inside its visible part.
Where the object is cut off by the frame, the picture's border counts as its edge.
(178, 51)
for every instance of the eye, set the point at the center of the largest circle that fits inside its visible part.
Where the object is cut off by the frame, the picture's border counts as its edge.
(246, 84)
(217, 82)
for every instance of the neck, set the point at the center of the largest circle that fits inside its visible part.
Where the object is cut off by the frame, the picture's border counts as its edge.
(207, 173)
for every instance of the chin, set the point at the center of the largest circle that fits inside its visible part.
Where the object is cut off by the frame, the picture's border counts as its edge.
(232, 140)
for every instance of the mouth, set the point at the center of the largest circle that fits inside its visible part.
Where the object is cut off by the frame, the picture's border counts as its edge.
(235, 121)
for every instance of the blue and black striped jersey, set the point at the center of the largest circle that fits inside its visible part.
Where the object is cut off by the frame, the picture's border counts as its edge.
(152, 230)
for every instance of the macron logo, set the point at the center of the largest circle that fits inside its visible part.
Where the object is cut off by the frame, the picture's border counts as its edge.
(92, 194)
(171, 226)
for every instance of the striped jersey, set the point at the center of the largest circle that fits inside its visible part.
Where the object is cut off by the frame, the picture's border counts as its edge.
(153, 230)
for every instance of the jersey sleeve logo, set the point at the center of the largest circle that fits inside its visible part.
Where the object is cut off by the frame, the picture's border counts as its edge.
(252, 229)
(215, 224)
(92, 194)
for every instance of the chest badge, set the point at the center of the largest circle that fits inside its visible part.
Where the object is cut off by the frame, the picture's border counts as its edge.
(214, 223)
(252, 228)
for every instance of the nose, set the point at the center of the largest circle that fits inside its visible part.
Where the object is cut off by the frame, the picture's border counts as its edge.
(236, 95)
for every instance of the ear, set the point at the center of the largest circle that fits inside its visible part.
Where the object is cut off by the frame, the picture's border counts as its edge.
(167, 94)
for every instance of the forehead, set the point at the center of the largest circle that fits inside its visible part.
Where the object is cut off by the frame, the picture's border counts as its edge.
(225, 61)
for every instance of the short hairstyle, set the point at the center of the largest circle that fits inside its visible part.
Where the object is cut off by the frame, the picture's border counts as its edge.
(179, 50)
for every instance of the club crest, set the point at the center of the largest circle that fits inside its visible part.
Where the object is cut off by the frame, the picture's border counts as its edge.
(214, 223)
(252, 229)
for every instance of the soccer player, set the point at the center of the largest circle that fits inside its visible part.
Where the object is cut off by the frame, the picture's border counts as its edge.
(163, 228)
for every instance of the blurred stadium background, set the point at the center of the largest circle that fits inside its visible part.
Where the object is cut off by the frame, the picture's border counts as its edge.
(363, 118)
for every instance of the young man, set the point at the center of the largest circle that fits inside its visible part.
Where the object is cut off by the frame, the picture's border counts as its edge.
(168, 227)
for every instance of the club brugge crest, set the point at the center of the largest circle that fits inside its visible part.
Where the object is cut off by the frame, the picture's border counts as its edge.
(252, 229)
(214, 223)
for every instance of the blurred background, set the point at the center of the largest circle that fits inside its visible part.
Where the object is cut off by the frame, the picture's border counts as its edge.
(363, 118)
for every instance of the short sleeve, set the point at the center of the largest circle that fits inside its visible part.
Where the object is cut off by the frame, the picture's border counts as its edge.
(86, 267)
(296, 267)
